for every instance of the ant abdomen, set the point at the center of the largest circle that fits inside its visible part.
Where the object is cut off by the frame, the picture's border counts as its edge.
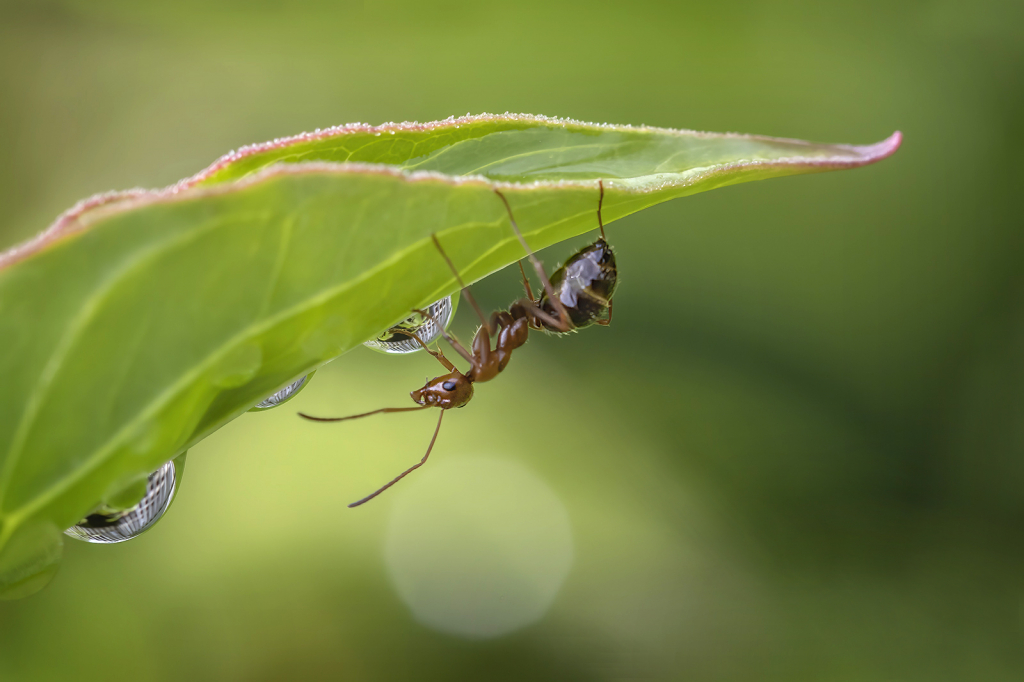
(585, 286)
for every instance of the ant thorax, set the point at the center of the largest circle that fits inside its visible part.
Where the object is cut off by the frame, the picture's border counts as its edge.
(585, 285)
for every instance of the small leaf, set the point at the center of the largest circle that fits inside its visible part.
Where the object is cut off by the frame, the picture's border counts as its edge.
(143, 321)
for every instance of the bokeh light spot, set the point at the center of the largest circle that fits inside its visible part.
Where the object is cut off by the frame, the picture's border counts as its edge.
(478, 547)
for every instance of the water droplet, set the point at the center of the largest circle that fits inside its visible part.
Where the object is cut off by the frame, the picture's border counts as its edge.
(427, 329)
(284, 395)
(109, 527)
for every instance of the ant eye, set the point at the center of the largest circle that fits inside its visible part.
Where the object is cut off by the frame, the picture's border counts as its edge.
(448, 385)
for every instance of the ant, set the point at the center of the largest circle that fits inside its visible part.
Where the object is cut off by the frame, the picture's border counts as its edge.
(576, 296)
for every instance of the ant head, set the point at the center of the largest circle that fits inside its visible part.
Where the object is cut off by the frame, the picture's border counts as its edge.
(446, 392)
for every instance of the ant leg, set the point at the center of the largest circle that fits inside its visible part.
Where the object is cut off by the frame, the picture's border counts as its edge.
(449, 337)
(465, 290)
(548, 289)
(600, 223)
(438, 355)
(537, 312)
(407, 471)
(365, 414)
(526, 282)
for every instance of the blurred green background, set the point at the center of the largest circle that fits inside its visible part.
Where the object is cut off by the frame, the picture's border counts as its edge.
(797, 454)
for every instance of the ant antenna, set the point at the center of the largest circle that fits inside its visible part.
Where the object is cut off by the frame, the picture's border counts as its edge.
(408, 471)
(600, 201)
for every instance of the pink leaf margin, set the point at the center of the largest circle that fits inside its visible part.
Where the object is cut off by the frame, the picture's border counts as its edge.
(89, 210)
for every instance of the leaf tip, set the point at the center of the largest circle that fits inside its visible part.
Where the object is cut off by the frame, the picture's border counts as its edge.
(884, 149)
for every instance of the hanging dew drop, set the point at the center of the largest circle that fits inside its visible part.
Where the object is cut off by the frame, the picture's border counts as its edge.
(104, 527)
(284, 395)
(428, 329)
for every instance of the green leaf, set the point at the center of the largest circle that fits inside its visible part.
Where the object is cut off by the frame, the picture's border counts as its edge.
(141, 322)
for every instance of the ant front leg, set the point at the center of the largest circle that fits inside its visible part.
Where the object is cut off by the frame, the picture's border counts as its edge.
(479, 359)
(438, 355)
(447, 336)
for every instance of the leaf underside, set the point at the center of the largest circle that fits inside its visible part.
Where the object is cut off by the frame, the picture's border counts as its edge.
(141, 322)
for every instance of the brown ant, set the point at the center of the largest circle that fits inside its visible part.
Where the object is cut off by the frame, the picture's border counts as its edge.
(576, 296)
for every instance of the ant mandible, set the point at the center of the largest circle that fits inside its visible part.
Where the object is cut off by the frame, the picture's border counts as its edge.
(576, 296)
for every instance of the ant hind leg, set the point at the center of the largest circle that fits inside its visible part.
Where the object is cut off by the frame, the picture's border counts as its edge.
(536, 313)
(563, 314)
(526, 282)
